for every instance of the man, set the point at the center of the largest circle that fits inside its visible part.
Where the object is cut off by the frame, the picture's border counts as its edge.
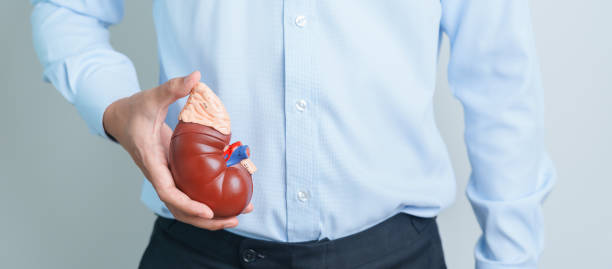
(335, 101)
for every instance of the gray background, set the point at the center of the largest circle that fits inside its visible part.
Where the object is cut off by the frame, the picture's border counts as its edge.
(69, 199)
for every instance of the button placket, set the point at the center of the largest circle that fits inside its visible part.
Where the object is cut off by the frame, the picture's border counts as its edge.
(301, 89)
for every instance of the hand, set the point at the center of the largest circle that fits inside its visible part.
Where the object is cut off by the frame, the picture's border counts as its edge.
(137, 123)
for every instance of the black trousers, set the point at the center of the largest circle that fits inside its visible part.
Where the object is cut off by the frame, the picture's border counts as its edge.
(401, 241)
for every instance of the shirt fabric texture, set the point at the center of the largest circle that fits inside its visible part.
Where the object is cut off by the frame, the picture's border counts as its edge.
(334, 98)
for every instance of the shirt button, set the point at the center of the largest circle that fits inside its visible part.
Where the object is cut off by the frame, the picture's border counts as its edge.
(301, 105)
(302, 196)
(300, 21)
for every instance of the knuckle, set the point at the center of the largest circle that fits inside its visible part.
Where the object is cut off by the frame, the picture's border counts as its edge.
(216, 226)
(174, 84)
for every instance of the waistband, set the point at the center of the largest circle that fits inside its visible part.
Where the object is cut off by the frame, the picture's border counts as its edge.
(396, 232)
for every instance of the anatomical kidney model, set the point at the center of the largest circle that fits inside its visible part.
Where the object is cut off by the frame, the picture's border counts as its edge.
(203, 164)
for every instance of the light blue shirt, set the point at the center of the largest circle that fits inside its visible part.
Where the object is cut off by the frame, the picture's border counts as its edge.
(334, 99)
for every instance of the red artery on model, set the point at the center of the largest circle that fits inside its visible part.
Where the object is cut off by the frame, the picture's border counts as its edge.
(198, 162)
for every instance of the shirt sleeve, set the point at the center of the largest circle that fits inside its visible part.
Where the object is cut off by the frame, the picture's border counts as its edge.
(493, 71)
(71, 40)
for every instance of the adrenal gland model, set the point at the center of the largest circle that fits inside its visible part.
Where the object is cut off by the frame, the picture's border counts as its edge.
(203, 164)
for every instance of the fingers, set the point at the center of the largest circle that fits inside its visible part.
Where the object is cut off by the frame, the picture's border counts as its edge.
(248, 209)
(176, 88)
(217, 223)
(212, 224)
(204, 223)
(182, 202)
(161, 178)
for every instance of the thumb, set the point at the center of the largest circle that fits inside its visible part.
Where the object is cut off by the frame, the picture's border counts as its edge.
(176, 88)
